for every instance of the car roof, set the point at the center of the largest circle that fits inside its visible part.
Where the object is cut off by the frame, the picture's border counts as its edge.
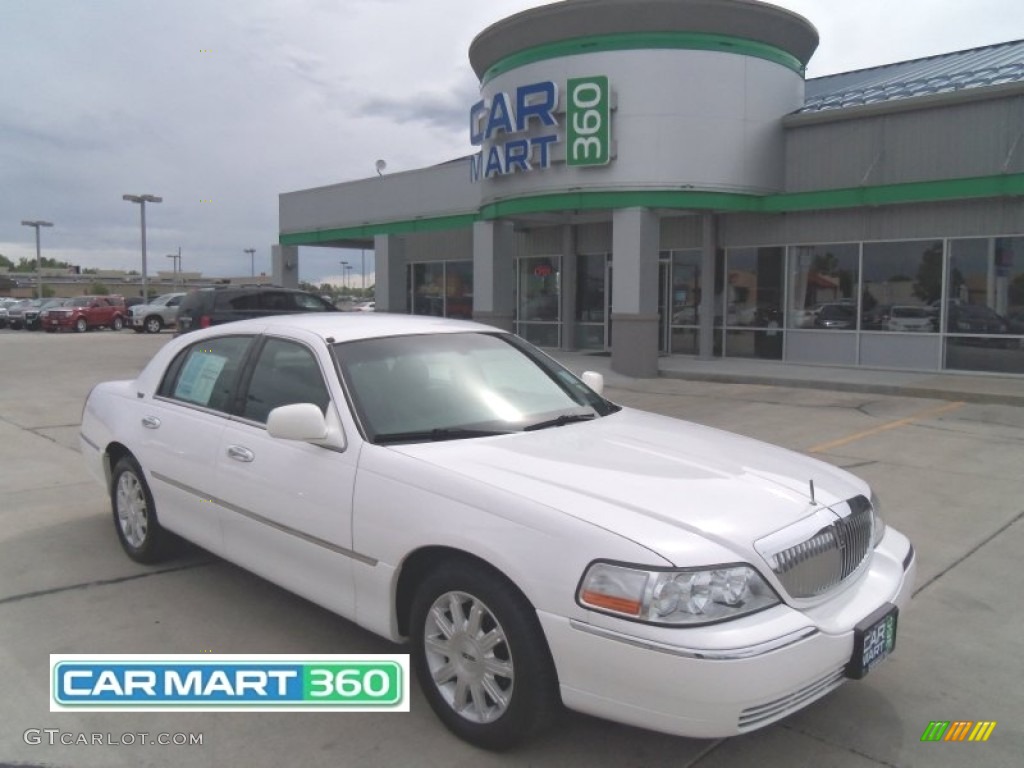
(350, 326)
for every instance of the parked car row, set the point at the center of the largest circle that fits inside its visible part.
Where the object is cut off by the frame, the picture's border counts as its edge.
(184, 312)
(961, 318)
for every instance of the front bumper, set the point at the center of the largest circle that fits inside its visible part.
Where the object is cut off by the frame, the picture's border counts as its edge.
(729, 678)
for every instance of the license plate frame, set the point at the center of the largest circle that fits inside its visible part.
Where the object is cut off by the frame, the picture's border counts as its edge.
(874, 639)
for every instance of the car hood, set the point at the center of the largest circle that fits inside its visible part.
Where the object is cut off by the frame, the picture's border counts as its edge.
(641, 475)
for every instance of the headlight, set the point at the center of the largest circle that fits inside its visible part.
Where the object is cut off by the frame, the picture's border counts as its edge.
(878, 524)
(680, 597)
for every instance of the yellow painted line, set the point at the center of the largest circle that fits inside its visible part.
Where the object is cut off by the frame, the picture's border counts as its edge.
(925, 414)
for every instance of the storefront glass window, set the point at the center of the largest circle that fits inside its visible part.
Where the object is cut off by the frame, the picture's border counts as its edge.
(538, 300)
(902, 286)
(442, 289)
(592, 300)
(459, 290)
(751, 297)
(428, 289)
(983, 310)
(823, 284)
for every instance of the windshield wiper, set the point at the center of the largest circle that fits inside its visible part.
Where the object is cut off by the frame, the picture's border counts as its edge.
(435, 435)
(560, 421)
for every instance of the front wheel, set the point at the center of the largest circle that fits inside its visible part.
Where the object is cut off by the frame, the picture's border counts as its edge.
(481, 657)
(81, 326)
(135, 520)
(154, 324)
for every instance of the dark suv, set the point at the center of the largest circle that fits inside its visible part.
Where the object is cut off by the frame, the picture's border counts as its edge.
(204, 307)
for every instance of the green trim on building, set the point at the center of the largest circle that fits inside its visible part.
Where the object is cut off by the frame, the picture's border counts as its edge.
(787, 202)
(1008, 185)
(388, 228)
(641, 41)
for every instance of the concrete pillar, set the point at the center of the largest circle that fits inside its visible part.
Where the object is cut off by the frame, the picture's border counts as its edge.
(392, 289)
(568, 288)
(284, 265)
(494, 273)
(635, 242)
(706, 310)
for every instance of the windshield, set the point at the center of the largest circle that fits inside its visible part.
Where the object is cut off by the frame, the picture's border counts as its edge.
(459, 385)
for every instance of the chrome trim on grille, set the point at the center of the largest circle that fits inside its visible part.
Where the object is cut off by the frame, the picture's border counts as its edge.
(838, 544)
(730, 654)
(762, 714)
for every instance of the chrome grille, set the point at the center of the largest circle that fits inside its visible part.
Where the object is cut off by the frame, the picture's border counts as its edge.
(833, 553)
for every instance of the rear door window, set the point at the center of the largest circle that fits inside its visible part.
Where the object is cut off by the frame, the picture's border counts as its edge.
(206, 374)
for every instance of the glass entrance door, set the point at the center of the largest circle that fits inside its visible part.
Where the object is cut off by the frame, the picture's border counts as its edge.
(678, 299)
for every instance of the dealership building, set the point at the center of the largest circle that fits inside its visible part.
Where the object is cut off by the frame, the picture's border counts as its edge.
(657, 177)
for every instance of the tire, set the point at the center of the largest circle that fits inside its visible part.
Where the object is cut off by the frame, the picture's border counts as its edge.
(493, 685)
(81, 326)
(154, 324)
(117, 323)
(135, 519)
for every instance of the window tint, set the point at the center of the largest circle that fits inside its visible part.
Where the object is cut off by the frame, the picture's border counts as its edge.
(307, 302)
(285, 373)
(248, 300)
(206, 374)
(276, 301)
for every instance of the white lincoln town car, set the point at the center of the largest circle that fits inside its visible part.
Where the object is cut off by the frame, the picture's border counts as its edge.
(445, 484)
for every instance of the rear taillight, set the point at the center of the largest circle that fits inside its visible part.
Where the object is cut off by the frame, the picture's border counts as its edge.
(204, 321)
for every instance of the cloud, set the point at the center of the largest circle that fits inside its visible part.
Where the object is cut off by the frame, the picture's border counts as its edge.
(221, 106)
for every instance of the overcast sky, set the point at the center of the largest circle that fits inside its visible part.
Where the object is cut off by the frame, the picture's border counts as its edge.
(218, 106)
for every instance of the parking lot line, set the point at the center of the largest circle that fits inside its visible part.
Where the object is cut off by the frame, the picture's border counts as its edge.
(925, 414)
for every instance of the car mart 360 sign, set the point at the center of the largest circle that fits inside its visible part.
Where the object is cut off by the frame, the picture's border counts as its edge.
(518, 131)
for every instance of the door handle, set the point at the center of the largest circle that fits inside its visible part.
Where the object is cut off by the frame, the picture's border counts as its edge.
(150, 422)
(240, 453)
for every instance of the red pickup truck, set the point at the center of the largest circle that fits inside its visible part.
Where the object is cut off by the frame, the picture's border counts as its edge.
(87, 312)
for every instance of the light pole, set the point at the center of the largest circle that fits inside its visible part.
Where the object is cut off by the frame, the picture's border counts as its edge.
(362, 268)
(348, 268)
(177, 265)
(252, 260)
(39, 260)
(142, 200)
(344, 273)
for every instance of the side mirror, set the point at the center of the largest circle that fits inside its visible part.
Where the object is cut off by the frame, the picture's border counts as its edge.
(594, 380)
(299, 421)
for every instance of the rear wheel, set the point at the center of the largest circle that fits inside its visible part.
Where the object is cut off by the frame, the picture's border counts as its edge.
(117, 323)
(154, 324)
(135, 520)
(481, 657)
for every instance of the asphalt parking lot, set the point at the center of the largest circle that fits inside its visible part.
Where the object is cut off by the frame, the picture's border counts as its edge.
(950, 475)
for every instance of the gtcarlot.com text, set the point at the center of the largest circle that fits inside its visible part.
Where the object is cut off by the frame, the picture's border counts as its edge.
(54, 737)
